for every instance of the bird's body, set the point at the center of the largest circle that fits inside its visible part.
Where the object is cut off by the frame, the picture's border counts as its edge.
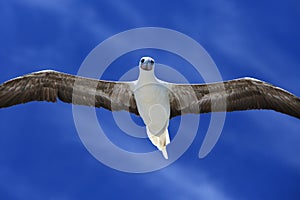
(154, 100)
(153, 104)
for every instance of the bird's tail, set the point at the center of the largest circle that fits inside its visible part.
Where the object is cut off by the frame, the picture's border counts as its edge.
(160, 141)
(164, 152)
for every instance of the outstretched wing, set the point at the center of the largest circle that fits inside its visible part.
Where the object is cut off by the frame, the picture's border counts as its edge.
(52, 85)
(238, 94)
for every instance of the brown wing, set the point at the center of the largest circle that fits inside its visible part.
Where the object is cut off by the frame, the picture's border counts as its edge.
(239, 94)
(52, 85)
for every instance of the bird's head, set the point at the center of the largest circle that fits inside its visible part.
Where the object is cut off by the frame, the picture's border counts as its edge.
(147, 63)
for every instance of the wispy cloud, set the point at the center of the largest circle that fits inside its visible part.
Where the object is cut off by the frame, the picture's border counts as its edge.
(17, 187)
(190, 184)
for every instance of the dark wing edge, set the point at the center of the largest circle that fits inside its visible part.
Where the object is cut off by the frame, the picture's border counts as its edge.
(233, 95)
(51, 85)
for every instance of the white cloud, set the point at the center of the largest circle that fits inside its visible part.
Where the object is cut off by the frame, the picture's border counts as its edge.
(190, 184)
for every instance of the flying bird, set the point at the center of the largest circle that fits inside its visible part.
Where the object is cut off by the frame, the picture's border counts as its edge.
(154, 100)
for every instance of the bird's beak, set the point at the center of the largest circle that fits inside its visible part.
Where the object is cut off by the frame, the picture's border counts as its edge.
(147, 65)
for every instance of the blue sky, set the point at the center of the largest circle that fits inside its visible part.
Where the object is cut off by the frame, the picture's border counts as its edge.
(257, 156)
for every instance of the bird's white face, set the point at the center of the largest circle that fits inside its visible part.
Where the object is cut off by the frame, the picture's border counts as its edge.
(147, 63)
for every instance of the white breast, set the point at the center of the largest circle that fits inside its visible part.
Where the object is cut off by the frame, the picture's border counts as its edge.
(153, 105)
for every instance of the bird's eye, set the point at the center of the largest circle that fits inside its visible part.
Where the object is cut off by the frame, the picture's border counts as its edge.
(152, 62)
(143, 60)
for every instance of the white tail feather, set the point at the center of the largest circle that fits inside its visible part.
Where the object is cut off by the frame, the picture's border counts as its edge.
(160, 141)
(164, 152)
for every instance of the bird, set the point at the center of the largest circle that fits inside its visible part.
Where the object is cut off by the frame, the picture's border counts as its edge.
(154, 100)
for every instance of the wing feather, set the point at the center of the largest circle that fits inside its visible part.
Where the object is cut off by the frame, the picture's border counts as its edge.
(52, 85)
(234, 95)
